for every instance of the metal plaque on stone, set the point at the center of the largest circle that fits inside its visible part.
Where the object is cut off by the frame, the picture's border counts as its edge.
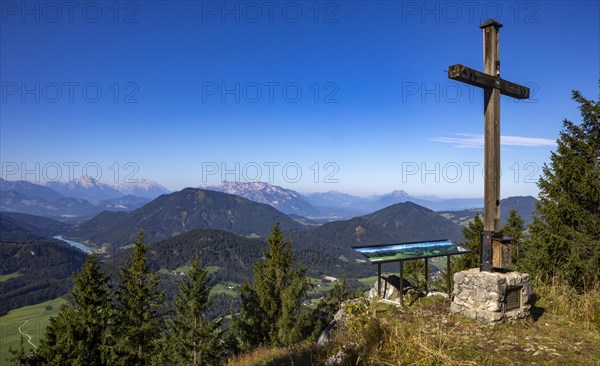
(513, 298)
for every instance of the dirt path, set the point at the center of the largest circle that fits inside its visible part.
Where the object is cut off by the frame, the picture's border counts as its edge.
(25, 334)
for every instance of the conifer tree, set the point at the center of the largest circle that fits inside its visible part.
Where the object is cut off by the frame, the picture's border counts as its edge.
(195, 340)
(513, 228)
(565, 237)
(472, 234)
(163, 351)
(139, 310)
(78, 335)
(58, 345)
(271, 310)
(93, 308)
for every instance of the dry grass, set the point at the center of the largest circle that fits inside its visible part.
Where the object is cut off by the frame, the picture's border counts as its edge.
(299, 354)
(426, 334)
(563, 330)
(573, 308)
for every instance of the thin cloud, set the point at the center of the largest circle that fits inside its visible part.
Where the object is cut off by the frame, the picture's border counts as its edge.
(472, 140)
(526, 141)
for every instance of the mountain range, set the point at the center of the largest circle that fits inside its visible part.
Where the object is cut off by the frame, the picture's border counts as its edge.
(326, 249)
(525, 206)
(179, 212)
(78, 198)
(226, 231)
(285, 200)
(92, 190)
(88, 196)
(81, 199)
(333, 205)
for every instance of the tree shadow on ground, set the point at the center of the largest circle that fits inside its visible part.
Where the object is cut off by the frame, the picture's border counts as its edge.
(305, 358)
(536, 311)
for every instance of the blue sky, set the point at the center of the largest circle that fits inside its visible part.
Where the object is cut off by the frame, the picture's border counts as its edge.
(345, 95)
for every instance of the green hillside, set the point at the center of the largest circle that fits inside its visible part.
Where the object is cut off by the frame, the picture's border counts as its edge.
(230, 259)
(38, 225)
(35, 271)
(179, 212)
(411, 222)
(525, 206)
(37, 317)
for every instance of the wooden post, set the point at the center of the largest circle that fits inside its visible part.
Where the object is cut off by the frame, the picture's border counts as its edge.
(493, 86)
(491, 60)
(379, 279)
(448, 274)
(401, 283)
(491, 188)
(426, 275)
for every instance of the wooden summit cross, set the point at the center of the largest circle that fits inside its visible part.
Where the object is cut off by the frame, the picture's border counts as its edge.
(493, 86)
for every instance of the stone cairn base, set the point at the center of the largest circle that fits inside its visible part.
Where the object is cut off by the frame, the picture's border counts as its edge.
(491, 297)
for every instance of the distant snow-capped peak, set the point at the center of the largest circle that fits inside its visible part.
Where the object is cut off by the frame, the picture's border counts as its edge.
(81, 182)
(84, 181)
(283, 199)
(398, 193)
(143, 187)
(241, 188)
(142, 183)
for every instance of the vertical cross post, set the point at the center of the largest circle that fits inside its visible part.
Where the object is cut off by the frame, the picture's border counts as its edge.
(401, 283)
(448, 272)
(379, 279)
(493, 86)
(491, 205)
(492, 129)
(426, 275)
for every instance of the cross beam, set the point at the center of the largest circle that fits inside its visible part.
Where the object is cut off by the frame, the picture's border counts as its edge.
(476, 78)
(493, 86)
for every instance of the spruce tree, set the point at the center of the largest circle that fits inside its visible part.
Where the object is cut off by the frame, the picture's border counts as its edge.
(195, 340)
(58, 345)
(271, 310)
(78, 335)
(565, 237)
(472, 234)
(139, 310)
(513, 228)
(92, 304)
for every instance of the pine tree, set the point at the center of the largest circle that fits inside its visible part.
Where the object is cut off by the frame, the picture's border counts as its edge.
(472, 234)
(92, 304)
(271, 310)
(513, 228)
(58, 345)
(163, 351)
(195, 341)
(565, 237)
(78, 335)
(139, 310)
